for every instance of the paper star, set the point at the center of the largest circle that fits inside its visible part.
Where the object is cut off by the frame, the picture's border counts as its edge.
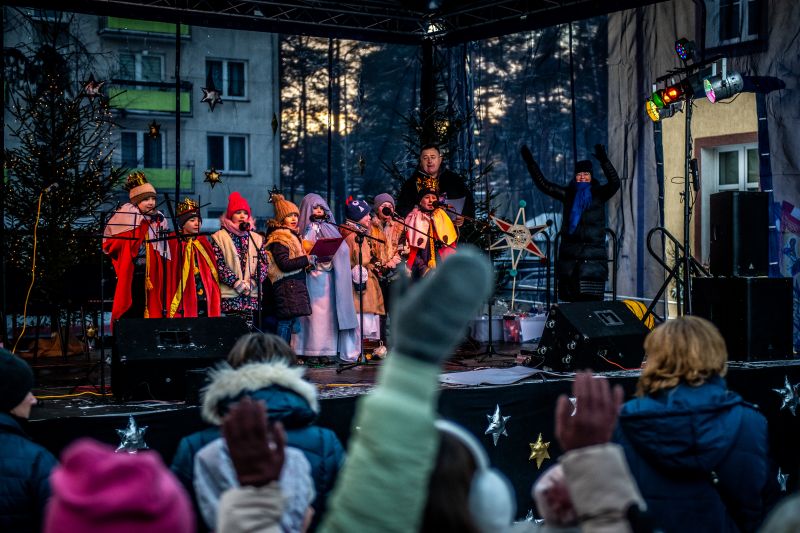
(782, 479)
(211, 95)
(539, 451)
(497, 425)
(212, 177)
(789, 396)
(132, 437)
(92, 87)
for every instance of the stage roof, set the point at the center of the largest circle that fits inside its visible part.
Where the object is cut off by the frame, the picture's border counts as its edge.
(407, 21)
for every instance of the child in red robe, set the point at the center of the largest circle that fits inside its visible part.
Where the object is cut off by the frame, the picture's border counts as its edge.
(133, 239)
(193, 285)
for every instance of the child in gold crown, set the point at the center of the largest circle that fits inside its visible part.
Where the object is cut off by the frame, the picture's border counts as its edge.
(193, 281)
(433, 236)
(132, 238)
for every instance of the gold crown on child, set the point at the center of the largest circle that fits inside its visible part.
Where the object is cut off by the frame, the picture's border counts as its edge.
(187, 205)
(427, 182)
(135, 179)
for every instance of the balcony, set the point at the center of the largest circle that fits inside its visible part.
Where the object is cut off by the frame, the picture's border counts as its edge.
(163, 179)
(111, 26)
(148, 97)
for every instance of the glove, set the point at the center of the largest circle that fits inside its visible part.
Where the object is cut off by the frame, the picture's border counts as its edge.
(256, 448)
(240, 287)
(600, 152)
(430, 317)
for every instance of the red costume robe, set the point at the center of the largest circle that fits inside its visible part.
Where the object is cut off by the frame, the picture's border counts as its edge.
(195, 252)
(124, 235)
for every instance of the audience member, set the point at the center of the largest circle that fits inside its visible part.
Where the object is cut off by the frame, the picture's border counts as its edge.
(24, 465)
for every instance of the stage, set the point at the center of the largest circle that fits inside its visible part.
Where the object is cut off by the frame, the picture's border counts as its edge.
(529, 401)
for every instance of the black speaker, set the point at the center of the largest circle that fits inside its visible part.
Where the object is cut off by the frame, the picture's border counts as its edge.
(597, 335)
(739, 233)
(754, 315)
(150, 357)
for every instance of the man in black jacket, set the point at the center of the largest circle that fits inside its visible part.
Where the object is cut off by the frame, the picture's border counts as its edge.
(582, 268)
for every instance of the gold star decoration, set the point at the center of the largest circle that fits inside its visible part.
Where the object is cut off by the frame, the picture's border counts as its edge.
(92, 87)
(539, 451)
(154, 130)
(212, 177)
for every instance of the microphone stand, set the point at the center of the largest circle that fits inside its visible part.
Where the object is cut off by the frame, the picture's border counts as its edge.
(258, 277)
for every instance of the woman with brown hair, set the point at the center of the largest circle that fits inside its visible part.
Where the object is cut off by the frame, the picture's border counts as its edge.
(697, 450)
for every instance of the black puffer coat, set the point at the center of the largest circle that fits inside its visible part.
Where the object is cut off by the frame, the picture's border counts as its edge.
(582, 254)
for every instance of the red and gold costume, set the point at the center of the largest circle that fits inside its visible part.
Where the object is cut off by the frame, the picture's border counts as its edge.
(197, 263)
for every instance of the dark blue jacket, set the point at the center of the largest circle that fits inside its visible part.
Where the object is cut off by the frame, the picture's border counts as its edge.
(24, 478)
(290, 400)
(681, 439)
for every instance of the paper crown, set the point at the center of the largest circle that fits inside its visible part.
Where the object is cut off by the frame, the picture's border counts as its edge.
(186, 206)
(135, 179)
(426, 182)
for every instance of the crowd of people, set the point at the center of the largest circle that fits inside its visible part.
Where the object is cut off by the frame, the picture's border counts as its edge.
(685, 454)
(323, 285)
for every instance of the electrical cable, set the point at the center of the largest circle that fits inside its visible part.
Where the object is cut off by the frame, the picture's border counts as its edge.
(33, 275)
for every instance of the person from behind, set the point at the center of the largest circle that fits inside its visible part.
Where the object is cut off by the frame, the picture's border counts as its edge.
(24, 465)
(697, 450)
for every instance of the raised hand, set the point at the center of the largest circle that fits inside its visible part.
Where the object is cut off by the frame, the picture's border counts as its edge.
(600, 152)
(595, 415)
(256, 447)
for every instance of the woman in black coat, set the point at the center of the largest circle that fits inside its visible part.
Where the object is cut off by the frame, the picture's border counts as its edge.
(582, 268)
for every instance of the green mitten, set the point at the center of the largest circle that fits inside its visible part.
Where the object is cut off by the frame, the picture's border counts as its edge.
(430, 317)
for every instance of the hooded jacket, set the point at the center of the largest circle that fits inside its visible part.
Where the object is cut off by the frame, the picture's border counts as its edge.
(289, 398)
(678, 441)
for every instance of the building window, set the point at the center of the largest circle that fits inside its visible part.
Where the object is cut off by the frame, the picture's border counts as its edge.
(730, 22)
(139, 150)
(228, 153)
(230, 77)
(141, 66)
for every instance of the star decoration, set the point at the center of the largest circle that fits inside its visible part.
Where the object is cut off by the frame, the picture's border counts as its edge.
(782, 479)
(212, 177)
(574, 402)
(154, 130)
(539, 451)
(92, 87)
(497, 425)
(132, 437)
(211, 95)
(789, 396)
(518, 238)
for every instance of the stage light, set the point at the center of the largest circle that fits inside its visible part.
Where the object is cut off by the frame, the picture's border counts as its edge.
(655, 113)
(652, 110)
(685, 49)
(718, 88)
(656, 98)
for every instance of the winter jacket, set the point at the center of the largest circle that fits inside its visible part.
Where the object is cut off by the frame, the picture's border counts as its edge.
(24, 478)
(372, 295)
(582, 254)
(289, 399)
(287, 272)
(699, 456)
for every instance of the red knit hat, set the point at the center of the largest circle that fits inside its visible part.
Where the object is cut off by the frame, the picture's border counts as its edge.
(95, 489)
(235, 203)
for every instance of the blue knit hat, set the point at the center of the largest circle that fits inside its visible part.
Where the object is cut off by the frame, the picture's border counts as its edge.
(356, 209)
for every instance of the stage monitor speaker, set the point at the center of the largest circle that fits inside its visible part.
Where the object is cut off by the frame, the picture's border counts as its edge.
(150, 357)
(754, 315)
(739, 233)
(601, 336)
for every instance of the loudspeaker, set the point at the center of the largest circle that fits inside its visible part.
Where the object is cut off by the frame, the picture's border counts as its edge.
(150, 357)
(597, 335)
(754, 315)
(739, 233)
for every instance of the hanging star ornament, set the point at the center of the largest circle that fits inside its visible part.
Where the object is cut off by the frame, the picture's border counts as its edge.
(518, 239)
(789, 395)
(212, 177)
(154, 130)
(539, 451)
(131, 438)
(211, 95)
(497, 425)
(92, 87)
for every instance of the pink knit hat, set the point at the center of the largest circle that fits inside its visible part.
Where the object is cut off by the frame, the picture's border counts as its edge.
(95, 489)
(235, 203)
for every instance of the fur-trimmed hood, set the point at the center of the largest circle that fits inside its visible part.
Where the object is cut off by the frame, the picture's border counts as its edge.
(289, 397)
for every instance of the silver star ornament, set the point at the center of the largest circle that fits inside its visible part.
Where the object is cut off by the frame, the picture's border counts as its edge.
(497, 425)
(131, 438)
(788, 394)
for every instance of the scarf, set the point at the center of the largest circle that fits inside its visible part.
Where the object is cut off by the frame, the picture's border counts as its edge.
(583, 197)
(225, 222)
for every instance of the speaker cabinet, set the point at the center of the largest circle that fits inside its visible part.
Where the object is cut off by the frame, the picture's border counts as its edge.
(754, 315)
(739, 233)
(151, 357)
(601, 336)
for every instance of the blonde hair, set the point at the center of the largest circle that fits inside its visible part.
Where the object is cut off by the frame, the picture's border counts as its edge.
(263, 347)
(688, 349)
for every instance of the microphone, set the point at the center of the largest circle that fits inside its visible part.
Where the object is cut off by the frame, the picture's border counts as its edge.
(323, 218)
(53, 186)
(244, 226)
(387, 211)
(437, 203)
(548, 223)
(158, 217)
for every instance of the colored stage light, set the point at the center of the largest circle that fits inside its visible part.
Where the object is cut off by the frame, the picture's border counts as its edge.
(718, 88)
(656, 98)
(652, 110)
(685, 49)
(657, 114)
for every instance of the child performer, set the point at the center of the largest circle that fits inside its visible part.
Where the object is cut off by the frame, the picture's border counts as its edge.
(357, 212)
(388, 255)
(132, 239)
(193, 285)
(241, 260)
(288, 263)
(330, 330)
(434, 235)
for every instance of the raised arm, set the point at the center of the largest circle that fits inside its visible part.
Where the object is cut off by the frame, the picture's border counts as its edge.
(606, 191)
(549, 188)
